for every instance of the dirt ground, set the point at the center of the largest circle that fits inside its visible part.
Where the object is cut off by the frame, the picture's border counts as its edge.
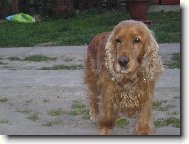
(54, 102)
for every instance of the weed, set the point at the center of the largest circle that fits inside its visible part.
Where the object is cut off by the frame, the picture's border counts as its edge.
(172, 121)
(68, 59)
(86, 114)
(172, 113)
(14, 58)
(53, 122)
(3, 99)
(77, 108)
(25, 110)
(56, 112)
(122, 122)
(157, 105)
(4, 121)
(29, 101)
(2, 63)
(175, 61)
(46, 100)
(163, 109)
(33, 116)
(63, 67)
(38, 58)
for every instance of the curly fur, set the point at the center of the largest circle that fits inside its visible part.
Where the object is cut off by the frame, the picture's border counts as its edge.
(112, 89)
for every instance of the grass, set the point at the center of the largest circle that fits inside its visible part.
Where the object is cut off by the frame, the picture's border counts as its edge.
(63, 67)
(122, 122)
(29, 101)
(158, 105)
(56, 112)
(80, 29)
(4, 121)
(86, 114)
(172, 121)
(14, 58)
(172, 113)
(79, 108)
(53, 122)
(3, 99)
(25, 110)
(2, 63)
(33, 116)
(46, 100)
(166, 26)
(38, 58)
(34, 58)
(175, 61)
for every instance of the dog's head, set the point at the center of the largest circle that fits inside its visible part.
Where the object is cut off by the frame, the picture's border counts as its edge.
(130, 47)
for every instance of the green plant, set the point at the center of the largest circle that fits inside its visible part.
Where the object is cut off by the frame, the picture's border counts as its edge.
(78, 108)
(53, 122)
(3, 99)
(33, 116)
(2, 63)
(56, 112)
(46, 100)
(29, 101)
(14, 58)
(172, 121)
(4, 121)
(38, 58)
(122, 122)
(86, 114)
(175, 61)
(172, 113)
(63, 67)
(80, 29)
(24, 111)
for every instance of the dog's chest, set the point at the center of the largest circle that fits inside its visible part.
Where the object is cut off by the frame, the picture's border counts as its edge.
(130, 97)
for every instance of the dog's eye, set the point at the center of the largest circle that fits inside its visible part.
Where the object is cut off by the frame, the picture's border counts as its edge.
(137, 40)
(118, 40)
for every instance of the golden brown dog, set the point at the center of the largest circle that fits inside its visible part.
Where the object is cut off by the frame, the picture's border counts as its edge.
(121, 70)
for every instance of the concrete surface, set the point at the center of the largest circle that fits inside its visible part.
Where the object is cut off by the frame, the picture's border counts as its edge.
(31, 91)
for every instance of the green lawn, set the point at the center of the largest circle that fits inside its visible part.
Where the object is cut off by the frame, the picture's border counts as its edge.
(79, 30)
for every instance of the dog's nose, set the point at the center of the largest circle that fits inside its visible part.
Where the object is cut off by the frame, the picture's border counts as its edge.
(123, 61)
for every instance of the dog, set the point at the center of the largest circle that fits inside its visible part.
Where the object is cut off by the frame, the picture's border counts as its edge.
(121, 70)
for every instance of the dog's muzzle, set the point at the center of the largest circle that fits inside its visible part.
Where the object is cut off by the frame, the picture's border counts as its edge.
(123, 62)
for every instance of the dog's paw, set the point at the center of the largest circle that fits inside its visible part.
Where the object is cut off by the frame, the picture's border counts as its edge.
(92, 116)
(145, 130)
(105, 131)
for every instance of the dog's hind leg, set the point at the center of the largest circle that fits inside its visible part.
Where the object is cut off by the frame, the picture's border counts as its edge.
(93, 105)
(93, 91)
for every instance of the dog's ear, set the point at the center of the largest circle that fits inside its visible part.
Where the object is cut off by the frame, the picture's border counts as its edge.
(110, 47)
(151, 63)
(110, 56)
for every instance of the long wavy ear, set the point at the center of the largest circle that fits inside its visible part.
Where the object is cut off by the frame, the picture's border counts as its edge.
(110, 53)
(110, 57)
(151, 63)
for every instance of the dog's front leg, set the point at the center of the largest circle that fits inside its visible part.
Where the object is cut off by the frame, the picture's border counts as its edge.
(144, 124)
(106, 117)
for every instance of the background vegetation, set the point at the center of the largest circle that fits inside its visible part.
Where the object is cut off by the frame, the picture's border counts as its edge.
(82, 27)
